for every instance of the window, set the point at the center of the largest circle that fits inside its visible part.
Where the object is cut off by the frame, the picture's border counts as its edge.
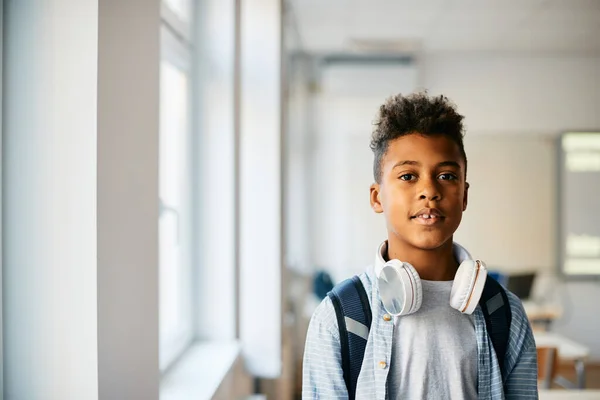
(579, 183)
(175, 226)
(182, 9)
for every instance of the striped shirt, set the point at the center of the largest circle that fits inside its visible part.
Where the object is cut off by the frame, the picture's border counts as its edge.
(322, 372)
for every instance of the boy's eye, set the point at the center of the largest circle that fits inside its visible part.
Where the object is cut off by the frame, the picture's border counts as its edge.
(448, 177)
(407, 177)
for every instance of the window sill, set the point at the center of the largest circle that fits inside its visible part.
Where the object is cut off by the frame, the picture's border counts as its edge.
(200, 371)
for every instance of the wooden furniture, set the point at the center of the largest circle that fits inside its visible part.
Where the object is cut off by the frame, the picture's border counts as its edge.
(547, 358)
(568, 350)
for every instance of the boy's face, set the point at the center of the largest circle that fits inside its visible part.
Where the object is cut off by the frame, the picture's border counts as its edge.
(423, 192)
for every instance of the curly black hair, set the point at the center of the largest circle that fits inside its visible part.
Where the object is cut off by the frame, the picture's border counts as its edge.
(415, 113)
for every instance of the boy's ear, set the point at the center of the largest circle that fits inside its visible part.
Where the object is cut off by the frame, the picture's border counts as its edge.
(466, 196)
(375, 201)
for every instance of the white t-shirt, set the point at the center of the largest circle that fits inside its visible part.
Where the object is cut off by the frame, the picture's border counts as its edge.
(434, 354)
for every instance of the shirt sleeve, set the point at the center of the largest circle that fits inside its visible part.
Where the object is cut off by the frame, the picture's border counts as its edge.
(521, 363)
(322, 374)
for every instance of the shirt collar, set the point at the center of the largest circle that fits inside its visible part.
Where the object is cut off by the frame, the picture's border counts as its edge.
(460, 253)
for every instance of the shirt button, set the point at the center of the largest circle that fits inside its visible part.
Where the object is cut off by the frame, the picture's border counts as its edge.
(382, 364)
(387, 317)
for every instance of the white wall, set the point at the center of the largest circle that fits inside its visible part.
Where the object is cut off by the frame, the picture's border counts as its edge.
(514, 106)
(49, 230)
(522, 95)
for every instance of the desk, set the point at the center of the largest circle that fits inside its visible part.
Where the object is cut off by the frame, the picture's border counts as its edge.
(567, 350)
(536, 311)
(557, 394)
(544, 313)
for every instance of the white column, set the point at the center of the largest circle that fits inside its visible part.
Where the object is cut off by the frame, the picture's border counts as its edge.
(1, 223)
(214, 131)
(49, 133)
(80, 212)
(128, 129)
(297, 182)
(261, 227)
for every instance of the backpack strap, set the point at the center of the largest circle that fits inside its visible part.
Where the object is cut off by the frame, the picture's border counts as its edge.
(353, 312)
(496, 310)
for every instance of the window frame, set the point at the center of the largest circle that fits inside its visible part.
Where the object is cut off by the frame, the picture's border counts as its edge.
(176, 49)
(1, 202)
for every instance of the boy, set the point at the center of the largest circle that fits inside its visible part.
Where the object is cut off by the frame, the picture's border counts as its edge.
(435, 352)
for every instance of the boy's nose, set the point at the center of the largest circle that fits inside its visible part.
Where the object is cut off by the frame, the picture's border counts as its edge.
(430, 191)
(429, 197)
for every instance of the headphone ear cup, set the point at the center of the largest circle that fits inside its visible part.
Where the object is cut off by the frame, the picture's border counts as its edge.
(468, 286)
(400, 288)
(415, 281)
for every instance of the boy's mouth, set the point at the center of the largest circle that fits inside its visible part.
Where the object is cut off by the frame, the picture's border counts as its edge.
(428, 216)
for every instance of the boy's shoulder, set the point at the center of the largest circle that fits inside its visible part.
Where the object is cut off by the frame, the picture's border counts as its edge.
(520, 336)
(367, 277)
(324, 314)
(518, 317)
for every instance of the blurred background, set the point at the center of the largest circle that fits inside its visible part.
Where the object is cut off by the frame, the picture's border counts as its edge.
(184, 180)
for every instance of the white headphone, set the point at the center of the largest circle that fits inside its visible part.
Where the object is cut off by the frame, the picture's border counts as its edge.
(401, 292)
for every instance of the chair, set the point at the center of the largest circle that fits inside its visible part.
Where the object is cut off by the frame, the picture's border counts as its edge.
(547, 358)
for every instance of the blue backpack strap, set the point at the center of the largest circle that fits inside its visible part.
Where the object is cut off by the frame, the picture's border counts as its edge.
(353, 312)
(496, 310)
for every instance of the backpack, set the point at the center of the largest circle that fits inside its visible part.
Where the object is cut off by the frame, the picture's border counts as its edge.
(353, 313)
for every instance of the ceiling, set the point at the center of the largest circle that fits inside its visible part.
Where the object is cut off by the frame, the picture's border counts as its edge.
(407, 26)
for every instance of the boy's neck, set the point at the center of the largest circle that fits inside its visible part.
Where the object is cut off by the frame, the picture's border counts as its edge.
(432, 265)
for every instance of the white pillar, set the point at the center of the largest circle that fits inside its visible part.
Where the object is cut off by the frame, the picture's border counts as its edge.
(128, 131)
(80, 233)
(1, 223)
(49, 133)
(261, 209)
(214, 131)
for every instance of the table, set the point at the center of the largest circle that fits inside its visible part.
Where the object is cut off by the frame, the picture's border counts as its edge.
(542, 313)
(557, 394)
(568, 350)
